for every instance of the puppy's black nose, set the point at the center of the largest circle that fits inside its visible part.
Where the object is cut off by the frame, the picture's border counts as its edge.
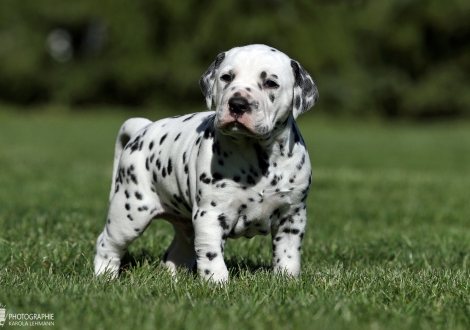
(238, 105)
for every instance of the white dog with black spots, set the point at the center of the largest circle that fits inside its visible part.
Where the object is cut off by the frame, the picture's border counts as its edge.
(241, 170)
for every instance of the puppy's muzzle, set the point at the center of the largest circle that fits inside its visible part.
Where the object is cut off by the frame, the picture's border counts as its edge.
(238, 106)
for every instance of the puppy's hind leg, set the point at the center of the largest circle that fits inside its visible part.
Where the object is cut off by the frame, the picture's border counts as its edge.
(180, 254)
(128, 129)
(127, 220)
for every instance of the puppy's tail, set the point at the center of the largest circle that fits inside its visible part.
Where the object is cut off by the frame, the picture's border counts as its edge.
(128, 129)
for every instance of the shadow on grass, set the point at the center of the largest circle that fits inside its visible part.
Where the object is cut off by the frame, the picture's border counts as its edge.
(132, 260)
(236, 266)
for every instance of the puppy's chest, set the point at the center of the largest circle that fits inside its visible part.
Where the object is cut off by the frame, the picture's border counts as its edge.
(255, 210)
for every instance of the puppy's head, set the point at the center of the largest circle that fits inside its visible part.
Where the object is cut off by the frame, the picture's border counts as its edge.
(255, 88)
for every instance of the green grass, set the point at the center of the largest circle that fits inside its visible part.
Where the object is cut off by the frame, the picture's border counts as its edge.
(387, 244)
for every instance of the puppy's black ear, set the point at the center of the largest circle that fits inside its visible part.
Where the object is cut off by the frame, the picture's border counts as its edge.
(305, 91)
(207, 81)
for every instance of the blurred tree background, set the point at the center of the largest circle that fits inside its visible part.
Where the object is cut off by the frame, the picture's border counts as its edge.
(392, 58)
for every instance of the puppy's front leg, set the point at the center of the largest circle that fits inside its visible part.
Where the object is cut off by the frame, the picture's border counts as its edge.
(211, 230)
(287, 241)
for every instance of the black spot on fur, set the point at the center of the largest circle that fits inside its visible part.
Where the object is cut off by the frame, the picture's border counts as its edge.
(138, 195)
(169, 166)
(302, 162)
(127, 206)
(134, 145)
(151, 145)
(216, 177)
(178, 136)
(154, 177)
(134, 178)
(223, 221)
(163, 138)
(211, 255)
(297, 102)
(204, 178)
(190, 117)
(274, 181)
(276, 212)
(263, 75)
(271, 97)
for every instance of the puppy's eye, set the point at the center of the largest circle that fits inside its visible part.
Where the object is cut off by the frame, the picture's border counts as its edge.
(270, 84)
(226, 78)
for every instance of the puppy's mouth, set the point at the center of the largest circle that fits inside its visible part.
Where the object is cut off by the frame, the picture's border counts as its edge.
(236, 128)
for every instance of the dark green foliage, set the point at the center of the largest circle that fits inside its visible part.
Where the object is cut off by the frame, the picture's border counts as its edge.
(391, 57)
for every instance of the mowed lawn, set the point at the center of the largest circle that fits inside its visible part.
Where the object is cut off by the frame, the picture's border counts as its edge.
(387, 244)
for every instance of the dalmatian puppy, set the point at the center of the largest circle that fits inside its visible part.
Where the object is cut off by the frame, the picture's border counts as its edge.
(241, 170)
